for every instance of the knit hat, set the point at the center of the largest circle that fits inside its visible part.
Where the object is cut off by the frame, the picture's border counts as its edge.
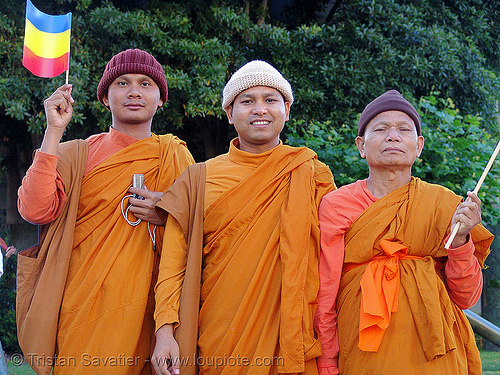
(391, 100)
(255, 73)
(129, 62)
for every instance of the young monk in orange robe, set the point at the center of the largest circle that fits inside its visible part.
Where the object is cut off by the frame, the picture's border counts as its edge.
(400, 293)
(106, 318)
(253, 212)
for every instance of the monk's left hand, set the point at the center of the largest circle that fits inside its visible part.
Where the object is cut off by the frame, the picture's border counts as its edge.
(145, 208)
(468, 214)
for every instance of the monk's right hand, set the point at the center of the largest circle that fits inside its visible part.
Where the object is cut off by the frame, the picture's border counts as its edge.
(59, 109)
(165, 358)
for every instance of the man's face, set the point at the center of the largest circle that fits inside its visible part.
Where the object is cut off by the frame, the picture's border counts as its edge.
(259, 115)
(390, 141)
(133, 99)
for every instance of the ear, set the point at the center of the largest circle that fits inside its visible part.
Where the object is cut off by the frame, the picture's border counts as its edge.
(105, 100)
(420, 145)
(229, 113)
(287, 111)
(160, 103)
(360, 143)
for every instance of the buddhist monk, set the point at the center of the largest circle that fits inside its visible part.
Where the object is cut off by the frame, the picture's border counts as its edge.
(250, 217)
(80, 193)
(391, 296)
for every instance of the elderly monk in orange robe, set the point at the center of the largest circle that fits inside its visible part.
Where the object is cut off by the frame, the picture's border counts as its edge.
(390, 295)
(75, 190)
(250, 216)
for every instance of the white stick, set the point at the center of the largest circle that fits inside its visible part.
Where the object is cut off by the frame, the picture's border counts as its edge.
(67, 76)
(478, 186)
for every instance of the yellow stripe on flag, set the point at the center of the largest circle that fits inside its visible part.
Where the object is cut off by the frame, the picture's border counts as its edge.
(47, 45)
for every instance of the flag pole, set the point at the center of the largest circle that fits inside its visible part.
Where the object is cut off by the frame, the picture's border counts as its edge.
(69, 55)
(476, 189)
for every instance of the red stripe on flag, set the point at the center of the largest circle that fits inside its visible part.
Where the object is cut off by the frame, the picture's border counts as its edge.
(42, 67)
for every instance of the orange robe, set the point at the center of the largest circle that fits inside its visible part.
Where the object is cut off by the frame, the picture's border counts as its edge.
(260, 263)
(337, 211)
(105, 322)
(427, 333)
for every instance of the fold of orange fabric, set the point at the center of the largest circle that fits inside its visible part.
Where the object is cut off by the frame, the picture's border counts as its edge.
(417, 215)
(113, 266)
(273, 212)
(379, 294)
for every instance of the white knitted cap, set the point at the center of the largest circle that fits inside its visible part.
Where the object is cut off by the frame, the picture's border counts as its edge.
(255, 73)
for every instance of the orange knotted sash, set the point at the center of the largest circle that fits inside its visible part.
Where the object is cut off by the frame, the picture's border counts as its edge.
(379, 293)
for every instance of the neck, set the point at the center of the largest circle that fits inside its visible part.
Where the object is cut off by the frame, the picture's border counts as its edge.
(138, 131)
(256, 148)
(383, 182)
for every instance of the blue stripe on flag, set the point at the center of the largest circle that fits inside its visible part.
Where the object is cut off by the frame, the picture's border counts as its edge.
(46, 22)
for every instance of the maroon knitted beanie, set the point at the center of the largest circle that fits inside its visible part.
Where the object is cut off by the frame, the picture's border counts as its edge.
(391, 100)
(129, 62)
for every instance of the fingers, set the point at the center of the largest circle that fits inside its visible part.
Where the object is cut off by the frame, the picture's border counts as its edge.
(58, 108)
(468, 214)
(166, 365)
(10, 250)
(175, 367)
(474, 198)
(165, 357)
(153, 196)
(61, 99)
(470, 209)
(145, 208)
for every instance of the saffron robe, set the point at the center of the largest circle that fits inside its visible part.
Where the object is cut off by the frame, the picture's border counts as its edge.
(337, 211)
(42, 269)
(428, 333)
(106, 323)
(260, 259)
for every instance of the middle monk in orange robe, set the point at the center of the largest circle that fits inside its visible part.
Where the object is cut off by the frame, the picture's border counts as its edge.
(258, 241)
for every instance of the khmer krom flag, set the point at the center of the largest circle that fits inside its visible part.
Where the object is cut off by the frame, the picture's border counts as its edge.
(46, 42)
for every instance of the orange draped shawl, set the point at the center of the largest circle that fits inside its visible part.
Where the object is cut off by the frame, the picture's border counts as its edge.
(106, 320)
(408, 322)
(260, 276)
(260, 265)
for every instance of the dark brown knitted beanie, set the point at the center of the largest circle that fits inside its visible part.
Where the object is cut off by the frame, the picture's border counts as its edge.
(391, 100)
(129, 62)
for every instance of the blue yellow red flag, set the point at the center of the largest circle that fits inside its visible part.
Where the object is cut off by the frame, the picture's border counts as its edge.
(46, 42)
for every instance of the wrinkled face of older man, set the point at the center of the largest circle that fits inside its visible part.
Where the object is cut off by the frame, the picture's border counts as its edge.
(390, 141)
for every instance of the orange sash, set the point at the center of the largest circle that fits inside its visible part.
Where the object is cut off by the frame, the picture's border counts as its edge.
(379, 293)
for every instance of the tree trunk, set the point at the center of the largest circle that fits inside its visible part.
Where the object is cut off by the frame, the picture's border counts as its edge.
(216, 135)
(262, 13)
(16, 150)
